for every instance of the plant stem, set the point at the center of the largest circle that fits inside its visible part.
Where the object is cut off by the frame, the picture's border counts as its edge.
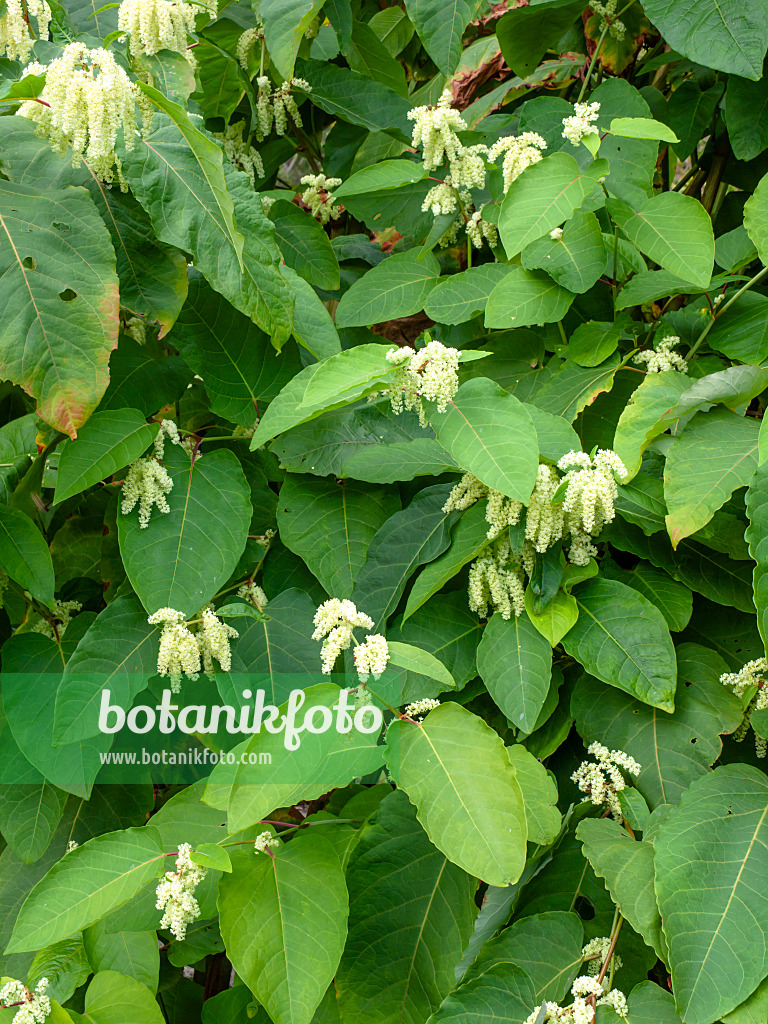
(697, 344)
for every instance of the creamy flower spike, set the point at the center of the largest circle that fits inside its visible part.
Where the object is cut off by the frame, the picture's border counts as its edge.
(520, 151)
(371, 657)
(87, 99)
(418, 708)
(175, 894)
(240, 152)
(155, 25)
(317, 196)
(543, 520)
(62, 612)
(494, 581)
(246, 44)
(179, 652)
(335, 620)
(16, 39)
(263, 841)
(435, 129)
(580, 124)
(662, 358)
(253, 593)
(213, 638)
(752, 675)
(581, 1011)
(430, 373)
(596, 950)
(34, 1007)
(500, 511)
(591, 492)
(147, 481)
(602, 780)
(481, 231)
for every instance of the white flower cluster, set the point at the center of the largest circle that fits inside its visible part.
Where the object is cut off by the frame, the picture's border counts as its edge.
(480, 230)
(240, 152)
(155, 25)
(246, 43)
(596, 950)
(16, 40)
(435, 128)
(602, 780)
(72, 845)
(591, 492)
(182, 651)
(86, 100)
(556, 234)
(263, 841)
(581, 1011)
(61, 616)
(430, 373)
(33, 1007)
(496, 581)
(371, 657)
(607, 11)
(335, 621)
(662, 358)
(147, 482)
(317, 196)
(175, 894)
(752, 675)
(418, 708)
(253, 593)
(543, 520)
(520, 151)
(580, 124)
(273, 106)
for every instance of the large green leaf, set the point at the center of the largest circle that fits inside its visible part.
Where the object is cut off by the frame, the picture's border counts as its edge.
(410, 915)
(456, 771)
(515, 663)
(672, 750)
(756, 218)
(460, 297)
(134, 954)
(575, 260)
(676, 232)
(503, 991)
(108, 442)
(389, 174)
(540, 199)
(574, 387)
(622, 638)
(490, 434)
(723, 34)
(440, 27)
(526, 35)
(313, 327)
(715, 455)
(87, 884)
(284, 922)
(182, 557)
(526, 297)
(112, 998)
(24, 554)
(643, 417)
(539, 796)
(29, 816)
(626, 864)
(397, 287)
(757, 538)
(718, 836)
(305, 245)
(285, 22)
(239, 367)
(60, 300)
(355, 98)
(346, 376)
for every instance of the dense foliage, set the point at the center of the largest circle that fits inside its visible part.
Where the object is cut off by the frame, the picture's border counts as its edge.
(413, 356)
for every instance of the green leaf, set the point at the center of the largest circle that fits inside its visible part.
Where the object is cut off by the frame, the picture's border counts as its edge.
(469, 537)
(182, 557)
(556, 620)
(29, 816)
(574, 387)
(239, 367)
(722, 34)
(676, 232)
(284, 922)
(626, 864)
(65, 966)
(108, 442)
(540, 199)
(460, 297)
(24, 554)
(742, 334)
(134, 954)
(87, 884)
(346, 376)
(407, 540)
(641, 128)
(503, 991)
(305, 245)
(745, 117)
(756, 218)
(661, 743)
(622, 638)
(576, 260)
(355, 98)
(440, 27)
(515, 663)
(526, 297)
(470, 804)
(209, 855)
(593, 342)
(60, 300)
(490, 434)
(410, 915)
(526, 35)
(285, 22)
(757, 537)
(707, 925)
(142, 381)
(113, 998)
(673, 599)
(415, 660)
(312, 325)
(389, 174)
(369, 56)
(539, 796)
(644, 417)
(397, 287)
(331, 525)
(715, 455)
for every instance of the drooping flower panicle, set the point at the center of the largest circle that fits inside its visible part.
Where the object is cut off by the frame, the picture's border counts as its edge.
(16, 39)
(155, 25)
(32, 1007)
(431, 373)
(751, 678)
(185, 652)
(661, 357)
(418, 708)
(318, 198)
(581, 123)
(602, 780)
(176, 894)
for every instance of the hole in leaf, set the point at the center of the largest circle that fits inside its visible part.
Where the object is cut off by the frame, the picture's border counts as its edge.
(29, 263)
(60, 226)
(688, 683)
(584, 908)
(67, 295)
(693, 740)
